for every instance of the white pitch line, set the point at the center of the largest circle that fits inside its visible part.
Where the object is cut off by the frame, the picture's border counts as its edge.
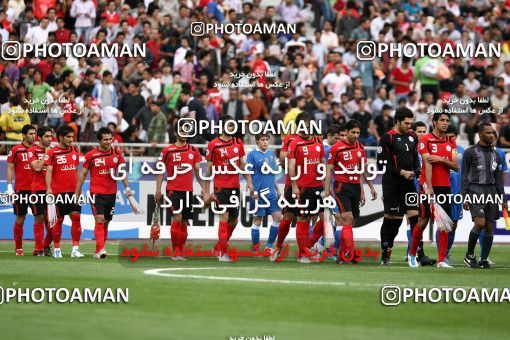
(158, 272)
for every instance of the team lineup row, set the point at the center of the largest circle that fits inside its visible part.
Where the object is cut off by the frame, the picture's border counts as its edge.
(407, 154)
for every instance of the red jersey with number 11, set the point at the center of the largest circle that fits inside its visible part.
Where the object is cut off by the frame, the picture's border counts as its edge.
(22, 169)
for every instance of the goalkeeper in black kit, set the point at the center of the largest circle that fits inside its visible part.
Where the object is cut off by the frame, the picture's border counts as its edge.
(397, 152)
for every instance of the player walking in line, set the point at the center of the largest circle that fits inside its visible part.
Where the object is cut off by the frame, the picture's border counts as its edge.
(18, 167)
(347, 188)
(264, 183)
(181, 160)
(36, 155)
(438, 156)
(221, 153)
(61, 178)
(482, 175)
(102, 162)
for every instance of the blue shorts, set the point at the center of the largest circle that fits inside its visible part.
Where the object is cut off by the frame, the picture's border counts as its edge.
(261, 212)
(457, 212)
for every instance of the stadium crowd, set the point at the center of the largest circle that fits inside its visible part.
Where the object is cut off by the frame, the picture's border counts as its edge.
(140, 99)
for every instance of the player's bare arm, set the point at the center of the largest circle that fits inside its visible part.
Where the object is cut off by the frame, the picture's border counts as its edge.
(292, 175)
(373, 193)
(49, 174)
(10, 175)
(452, 164)
(199, 179)
(81, 180)
(37, 165)
(207, 182)
(247, 177)
(159, 181)
(327, 180)
(428, 174)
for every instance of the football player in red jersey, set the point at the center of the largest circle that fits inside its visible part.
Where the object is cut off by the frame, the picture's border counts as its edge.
(36, 158)
(306, 153)
(180, 160)
(18, 167)
(61, 178)
(289, 213)
(221, 153)
(345, 159)
(102, 162)
(437, 151)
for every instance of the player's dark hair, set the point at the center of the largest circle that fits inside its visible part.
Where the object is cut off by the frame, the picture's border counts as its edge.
(260, 135)
(27, 128)
(416, 125)
(41, 130)
(482, 125)
(103, 131)
(352, 124)
(451, 129)
(436, 115)
(402, 113)
(333, 129)
(303, 116)
(342, 127)
(64, 130)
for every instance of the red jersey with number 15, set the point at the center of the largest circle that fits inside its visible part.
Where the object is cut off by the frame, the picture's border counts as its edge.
(182, 160)
(350, 156)
(36, 153)
(221, 154)
(100, 165)
(65, 168)
(442, 147)
(308, 155)
(22, 169)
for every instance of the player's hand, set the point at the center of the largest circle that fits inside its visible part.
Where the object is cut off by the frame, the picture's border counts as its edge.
(429, 191)
(504, 206)
(466, 206)
(295, 192)
(10, 191)
(407, 174)
(435, 159)
(49, 192)
(128, 192)
(327, 193)
(77, 193)
(374, 194)
(158, 196)
(362, 198)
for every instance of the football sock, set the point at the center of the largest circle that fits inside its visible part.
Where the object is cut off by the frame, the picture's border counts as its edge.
(175, 234)
(99, 235)
(487, 245)
(57, 231)
(302, 234)
(318, 231)
(223, 237)
(283, 230)
(473, 238)
(442, 245)
(451, 239)
(18, 235)
(386, 235)
(273, 233)
(184, 235)
(75, 229)
(255, 234)
(38, 236)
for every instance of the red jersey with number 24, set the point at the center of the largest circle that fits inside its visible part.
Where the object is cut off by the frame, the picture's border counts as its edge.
(101, 164)
(442, 147)
(352, 157)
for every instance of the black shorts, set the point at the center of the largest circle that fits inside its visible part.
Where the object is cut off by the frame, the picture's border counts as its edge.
(486, 206)
(182, 200)
(21, 205)
(63, 207)
(287, 193)
(314, 197)
(394, 197)
(39, 208)
(223, 197)
(104, 204)
(425, 211)
(348, 197)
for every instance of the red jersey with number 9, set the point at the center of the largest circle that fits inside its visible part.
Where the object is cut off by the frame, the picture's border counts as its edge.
(65, 168)
(352, 157)
(101, 164)
(308, 155)
(442, 147)
(181, 160)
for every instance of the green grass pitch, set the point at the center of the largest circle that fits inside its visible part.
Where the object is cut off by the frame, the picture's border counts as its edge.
(163, 307)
